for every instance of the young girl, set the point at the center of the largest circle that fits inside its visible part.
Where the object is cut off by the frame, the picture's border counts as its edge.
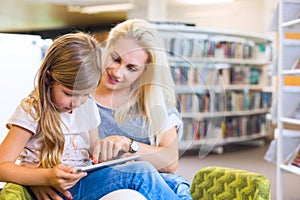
(54, 130)
(136, 101)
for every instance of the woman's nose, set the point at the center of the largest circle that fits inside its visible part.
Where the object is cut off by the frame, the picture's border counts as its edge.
(117, 71)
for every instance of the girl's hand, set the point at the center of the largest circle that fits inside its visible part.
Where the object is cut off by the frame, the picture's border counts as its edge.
(109, 147)
(48, 193)
(61, 177)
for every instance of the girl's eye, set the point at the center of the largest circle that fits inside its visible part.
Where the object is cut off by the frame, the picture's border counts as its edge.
(69, 94)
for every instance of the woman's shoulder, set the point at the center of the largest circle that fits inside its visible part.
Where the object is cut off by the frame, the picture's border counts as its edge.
(173, 110)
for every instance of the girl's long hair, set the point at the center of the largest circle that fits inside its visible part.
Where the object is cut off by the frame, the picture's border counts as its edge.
(153, 93)
(73, 60)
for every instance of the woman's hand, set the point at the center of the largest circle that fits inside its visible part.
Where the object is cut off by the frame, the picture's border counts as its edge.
(109, 147)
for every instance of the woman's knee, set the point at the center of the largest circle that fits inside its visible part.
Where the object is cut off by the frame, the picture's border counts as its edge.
(123, 194)
(141, 167)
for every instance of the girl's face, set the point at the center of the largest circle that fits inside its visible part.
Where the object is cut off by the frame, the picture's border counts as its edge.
(66, 99)
(124, 64)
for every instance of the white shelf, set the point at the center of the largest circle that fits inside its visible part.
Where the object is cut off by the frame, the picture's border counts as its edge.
(291, 72)
(290, 120)
(195, 61)
(202, 88)
(200, 115)
(288, 96)
(291, 89)
(290, 42)
(291, 23)
(259, 38)
(287, 133)
(194, 144)
(292, 1)
(290, 168)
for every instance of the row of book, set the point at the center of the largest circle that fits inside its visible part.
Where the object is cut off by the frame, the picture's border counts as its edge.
(294, 157)
(214, 46)
(209, 75)
(230, 127)
(229, 101)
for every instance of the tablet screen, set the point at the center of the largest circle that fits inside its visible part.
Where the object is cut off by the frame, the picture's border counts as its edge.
(106, 164)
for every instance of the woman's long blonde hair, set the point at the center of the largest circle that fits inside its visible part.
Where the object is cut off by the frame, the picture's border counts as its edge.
(73, 60)
(153, 93)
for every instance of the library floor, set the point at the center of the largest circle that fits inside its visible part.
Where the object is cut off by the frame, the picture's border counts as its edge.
(244, 157)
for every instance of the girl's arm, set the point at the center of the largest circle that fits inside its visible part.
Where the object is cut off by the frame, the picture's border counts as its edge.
(60, 177)
(93, 139)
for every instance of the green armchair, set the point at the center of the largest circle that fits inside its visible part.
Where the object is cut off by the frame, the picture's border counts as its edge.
(219, 183)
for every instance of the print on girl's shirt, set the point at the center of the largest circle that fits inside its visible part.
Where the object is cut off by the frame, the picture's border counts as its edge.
(75, 148)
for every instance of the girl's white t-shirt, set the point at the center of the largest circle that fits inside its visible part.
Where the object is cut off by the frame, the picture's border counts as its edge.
(76, 130)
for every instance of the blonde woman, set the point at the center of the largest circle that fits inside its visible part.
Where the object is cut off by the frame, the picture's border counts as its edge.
(136, 101)
(56, 129)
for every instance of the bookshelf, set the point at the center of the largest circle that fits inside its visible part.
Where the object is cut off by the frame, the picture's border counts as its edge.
(223, 84)
(288, 88)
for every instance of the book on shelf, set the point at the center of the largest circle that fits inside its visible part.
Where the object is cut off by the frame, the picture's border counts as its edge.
(292, 38)
(296, 160)
(291, 80)
(255, 76)
(296, 114)
(172, 24)
(292, 35)
(200, 45)
(224, 76)
(296, 64)
(237, 126)
(290, 141)
(293, 158)
(239, 75)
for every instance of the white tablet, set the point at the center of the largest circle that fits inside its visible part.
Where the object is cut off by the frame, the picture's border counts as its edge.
(106, 164)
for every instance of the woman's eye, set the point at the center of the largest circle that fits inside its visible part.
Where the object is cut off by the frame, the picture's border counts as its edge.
(116, 59)
(131, 68)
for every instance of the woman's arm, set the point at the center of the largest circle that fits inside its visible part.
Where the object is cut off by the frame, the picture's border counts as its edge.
(164, 157)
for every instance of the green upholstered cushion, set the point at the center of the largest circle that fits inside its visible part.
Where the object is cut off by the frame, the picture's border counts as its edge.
(12, 191)
(221, 183)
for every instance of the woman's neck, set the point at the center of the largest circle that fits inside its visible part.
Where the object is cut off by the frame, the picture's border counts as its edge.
(110, 98)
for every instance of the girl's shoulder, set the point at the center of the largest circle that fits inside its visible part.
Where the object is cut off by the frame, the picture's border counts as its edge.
(24, 116)
(88, 112)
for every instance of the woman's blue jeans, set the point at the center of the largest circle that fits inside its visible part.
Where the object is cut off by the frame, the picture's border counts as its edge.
(140, 176)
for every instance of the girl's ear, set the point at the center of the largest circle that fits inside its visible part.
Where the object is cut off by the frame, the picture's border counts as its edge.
(48, 78)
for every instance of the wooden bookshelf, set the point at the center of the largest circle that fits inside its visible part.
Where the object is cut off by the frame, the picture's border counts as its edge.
(221, 84)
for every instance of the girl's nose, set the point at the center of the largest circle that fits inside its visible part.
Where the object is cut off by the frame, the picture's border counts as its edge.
(76, 102)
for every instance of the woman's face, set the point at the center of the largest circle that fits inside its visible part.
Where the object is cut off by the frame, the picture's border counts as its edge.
(124, 64)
